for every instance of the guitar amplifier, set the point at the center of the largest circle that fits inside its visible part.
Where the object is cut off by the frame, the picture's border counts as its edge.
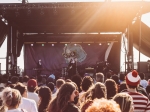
(89, 71)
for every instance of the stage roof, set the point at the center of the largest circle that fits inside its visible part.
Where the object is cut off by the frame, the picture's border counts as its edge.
(72, 17)
(59, 18)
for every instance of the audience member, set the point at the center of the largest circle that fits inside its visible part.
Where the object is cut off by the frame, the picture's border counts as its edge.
(20, 79)
(52, 76)
(99, 77)
(96, 91)
(103, 105)
(27, 104)
(93, 98)
(122, 87)
(125, 102)
(87, 82)
(39, 80)
(43, 81)
(8, 83)
(50, 79)
(121, 78)
(108, 75)
(51, 86)
(76, 98)
(78, 80)
(59, 83)
(141, 102)
(64, 99)
(25, 80)
(32, 87)
(14, 79)
(111, 87)
(141, 90)
(116, 79)
(143, 82)
(11, 99)
(45, 97)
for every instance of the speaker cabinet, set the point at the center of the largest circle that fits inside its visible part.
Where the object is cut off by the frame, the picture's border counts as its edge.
(143, 67)
(147, 76)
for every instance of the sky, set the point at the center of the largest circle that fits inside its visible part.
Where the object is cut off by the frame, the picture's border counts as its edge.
(145, 19)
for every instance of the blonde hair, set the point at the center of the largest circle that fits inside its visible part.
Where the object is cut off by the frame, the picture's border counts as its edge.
(103, 105)
(11, 97)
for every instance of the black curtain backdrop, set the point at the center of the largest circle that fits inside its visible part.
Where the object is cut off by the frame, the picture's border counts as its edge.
(53, 61)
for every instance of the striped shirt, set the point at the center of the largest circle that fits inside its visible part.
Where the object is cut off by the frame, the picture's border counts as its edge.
(141, 102)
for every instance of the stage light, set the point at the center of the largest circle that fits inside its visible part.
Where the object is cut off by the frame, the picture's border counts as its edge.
(52, 44)
(108, 43)
(65, 44)
(100, 44)
(42, 44)
(6, 22)
(89, 44)
(3, 19)
(75, 44)
(31, 44)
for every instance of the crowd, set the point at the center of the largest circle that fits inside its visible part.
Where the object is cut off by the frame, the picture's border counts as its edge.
(103, 93)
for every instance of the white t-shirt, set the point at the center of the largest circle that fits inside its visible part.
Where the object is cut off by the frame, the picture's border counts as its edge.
(33, 96)
(17, 110)
(28, 104)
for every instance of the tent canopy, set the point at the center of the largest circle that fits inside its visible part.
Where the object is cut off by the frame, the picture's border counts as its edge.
(60, 19)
